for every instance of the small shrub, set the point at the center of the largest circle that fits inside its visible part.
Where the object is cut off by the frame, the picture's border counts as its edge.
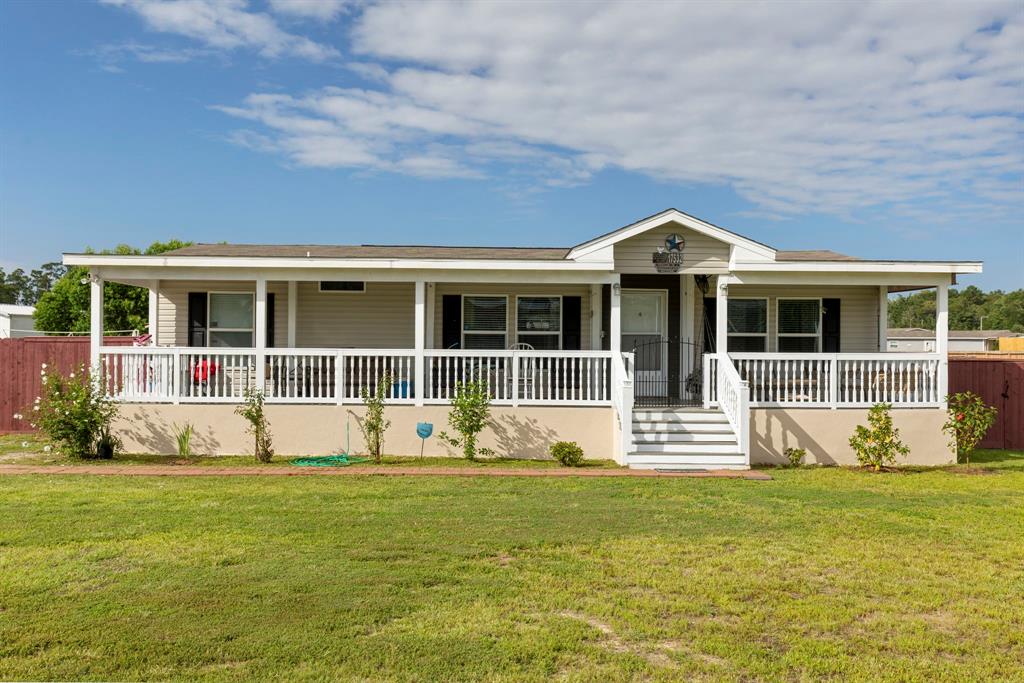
(74, 414)
(968, 422)
(252, 410)
(878, 444)
(374, 425)
(568, 453)
(796, 456)
(183, 437)
(471, 408)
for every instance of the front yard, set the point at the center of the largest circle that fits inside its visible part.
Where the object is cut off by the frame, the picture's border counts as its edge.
(817, 573)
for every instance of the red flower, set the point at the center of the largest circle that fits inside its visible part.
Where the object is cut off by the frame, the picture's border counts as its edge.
(960, 416)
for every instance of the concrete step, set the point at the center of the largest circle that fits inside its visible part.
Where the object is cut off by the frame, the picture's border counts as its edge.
(684, 437)
(695, 462)
(687, 448)
(691, 427)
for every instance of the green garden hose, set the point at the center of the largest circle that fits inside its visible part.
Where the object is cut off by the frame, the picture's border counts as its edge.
(342, 459)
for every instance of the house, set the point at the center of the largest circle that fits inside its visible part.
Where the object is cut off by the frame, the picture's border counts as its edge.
(16, 321)
(667, 343)
(917, 340)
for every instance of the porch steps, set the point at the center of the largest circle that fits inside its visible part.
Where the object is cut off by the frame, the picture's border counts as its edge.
(685, 438)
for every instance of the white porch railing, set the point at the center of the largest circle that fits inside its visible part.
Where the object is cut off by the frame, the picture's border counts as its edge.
(733, 394)
(180, 375)
(835, 380)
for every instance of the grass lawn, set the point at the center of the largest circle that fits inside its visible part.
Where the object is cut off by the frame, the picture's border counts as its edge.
(819, 573)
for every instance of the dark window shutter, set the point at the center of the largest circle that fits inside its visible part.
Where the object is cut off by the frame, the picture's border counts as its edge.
(270, 320)
(710, 324)
(197, 318)
(830, 327)
(451, 321)
(571, 314)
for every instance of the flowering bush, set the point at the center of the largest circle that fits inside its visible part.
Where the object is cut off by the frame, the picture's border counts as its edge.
(73, 412)
(968, 422)
(878, 444)
(259, 427)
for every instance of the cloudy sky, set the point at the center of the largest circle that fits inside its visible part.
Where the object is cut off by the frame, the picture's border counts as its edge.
(877, 129)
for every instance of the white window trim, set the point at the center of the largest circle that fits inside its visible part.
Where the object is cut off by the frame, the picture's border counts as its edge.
(539, 333)
(209, 309)
(320, 287)
(462, 316)
(817, 335)
(750, 334)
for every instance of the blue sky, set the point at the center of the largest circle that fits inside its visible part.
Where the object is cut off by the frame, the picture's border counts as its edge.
(880, 130)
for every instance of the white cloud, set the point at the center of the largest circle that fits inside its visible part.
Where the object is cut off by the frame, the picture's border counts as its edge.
(225, 25)
(829, 107)
(322, 10)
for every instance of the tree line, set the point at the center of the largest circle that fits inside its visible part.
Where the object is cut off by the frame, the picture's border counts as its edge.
(61, 294)
(969, 309)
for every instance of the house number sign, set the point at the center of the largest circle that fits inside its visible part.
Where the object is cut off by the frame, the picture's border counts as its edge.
(669, 259)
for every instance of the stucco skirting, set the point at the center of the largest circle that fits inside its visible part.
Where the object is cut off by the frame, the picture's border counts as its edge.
(522, 432)
(825, 434)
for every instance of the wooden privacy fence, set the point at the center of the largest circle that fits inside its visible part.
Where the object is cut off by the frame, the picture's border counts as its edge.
(1000, 382)
(20, 363)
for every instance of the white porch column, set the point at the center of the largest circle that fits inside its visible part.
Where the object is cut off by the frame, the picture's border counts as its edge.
(293, 313)
(687, 304)
(154, 310)
(942, 337)
(596, 313)
(883, 318)
(721, 315)
(261, 334)
(419, 385)
(95, 319)
(431, 295)
(615, 343)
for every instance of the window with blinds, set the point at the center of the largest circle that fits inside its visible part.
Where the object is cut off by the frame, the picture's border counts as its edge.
(484, 322)
(799, 325)
(231, 319)
(539, 322)
(748, 324)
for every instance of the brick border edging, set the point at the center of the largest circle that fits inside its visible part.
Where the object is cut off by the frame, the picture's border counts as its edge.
(364, 470)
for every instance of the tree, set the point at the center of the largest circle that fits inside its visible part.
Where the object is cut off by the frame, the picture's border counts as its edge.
(1000, 310)
(65, 307)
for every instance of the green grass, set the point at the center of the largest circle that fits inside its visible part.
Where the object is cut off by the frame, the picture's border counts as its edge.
(819, 573)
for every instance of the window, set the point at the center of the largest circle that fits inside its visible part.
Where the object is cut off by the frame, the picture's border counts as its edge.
(484, 320)
(748, 324)
(799, 326)
(231, 319)
(342, 286)
(539, 321)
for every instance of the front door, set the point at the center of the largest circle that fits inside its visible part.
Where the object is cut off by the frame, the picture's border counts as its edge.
(644, 316)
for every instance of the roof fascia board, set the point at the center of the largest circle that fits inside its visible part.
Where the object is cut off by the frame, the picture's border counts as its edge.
(136, 274)
(273, 263)
(923, 280)
(672, 215)
(858, 266)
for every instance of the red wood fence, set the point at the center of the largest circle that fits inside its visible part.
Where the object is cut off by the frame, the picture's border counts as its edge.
(1000, 382)
(20, 363)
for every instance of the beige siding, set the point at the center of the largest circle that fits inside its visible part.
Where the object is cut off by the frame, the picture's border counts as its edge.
(172, 322)
(701, 254)
(858, 318)
(511, 291)
(382, 317)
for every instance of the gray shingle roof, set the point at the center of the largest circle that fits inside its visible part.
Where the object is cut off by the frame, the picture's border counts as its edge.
(919, 333)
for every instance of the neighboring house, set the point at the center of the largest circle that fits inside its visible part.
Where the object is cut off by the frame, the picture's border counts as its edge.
(16, 321)
(669, 343)
(916, 340)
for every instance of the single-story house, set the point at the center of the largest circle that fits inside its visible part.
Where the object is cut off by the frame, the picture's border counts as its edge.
(16, 321)
(917, 340)
(667, 343)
